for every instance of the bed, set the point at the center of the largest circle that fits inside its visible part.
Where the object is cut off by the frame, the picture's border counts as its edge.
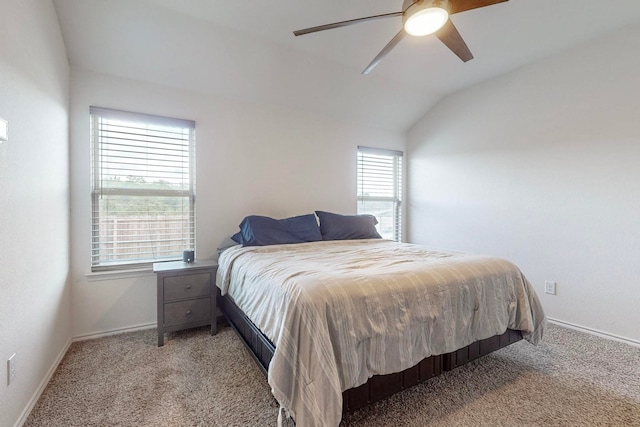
(337, 324)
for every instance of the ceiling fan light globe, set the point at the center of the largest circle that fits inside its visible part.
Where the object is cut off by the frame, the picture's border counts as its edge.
(426, 21)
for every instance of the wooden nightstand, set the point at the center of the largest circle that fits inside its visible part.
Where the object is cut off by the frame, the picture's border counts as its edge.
(186, 296)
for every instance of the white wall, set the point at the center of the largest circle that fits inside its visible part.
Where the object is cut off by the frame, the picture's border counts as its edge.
(251, 159)
(541, 166)
(34, 196)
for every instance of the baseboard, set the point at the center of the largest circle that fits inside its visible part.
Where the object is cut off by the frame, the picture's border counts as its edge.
(594, 332)
(94, 335)
(43, 384)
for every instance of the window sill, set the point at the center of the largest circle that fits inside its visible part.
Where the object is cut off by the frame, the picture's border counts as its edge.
(119, 274)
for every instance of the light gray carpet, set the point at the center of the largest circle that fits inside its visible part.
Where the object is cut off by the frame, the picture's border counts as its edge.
(571, 379)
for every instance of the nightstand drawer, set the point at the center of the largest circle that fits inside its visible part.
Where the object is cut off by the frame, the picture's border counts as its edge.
(178, 313)
(185, 296)
(187, 286)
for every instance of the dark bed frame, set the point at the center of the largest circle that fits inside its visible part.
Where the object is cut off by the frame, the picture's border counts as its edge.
(379, 386)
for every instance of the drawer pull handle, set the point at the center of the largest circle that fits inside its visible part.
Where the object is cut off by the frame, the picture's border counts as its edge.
(188, 286)
(188, 312)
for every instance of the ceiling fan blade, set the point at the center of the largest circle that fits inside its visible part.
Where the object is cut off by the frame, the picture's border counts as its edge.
(450, 36)
(345, 23)
(457, 6)
(393, 43)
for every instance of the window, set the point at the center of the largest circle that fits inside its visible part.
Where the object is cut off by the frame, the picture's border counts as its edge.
(143, 192)
(380, 189)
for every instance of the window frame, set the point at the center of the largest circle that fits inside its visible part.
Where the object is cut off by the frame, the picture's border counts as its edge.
(98, 261)
(397, 160)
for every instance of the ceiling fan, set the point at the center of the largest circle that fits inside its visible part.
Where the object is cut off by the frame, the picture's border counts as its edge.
(420, 18)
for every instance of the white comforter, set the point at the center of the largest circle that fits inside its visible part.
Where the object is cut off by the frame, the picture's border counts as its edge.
(340, 312)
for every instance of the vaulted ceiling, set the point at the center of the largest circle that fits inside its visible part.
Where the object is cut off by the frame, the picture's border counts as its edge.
(246, 49)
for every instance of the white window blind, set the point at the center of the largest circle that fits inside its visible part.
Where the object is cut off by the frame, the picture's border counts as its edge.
(380, 189)
(143, 188)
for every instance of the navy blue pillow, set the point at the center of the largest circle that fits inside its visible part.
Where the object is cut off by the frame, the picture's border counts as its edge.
(237, 237)
(345, 227)
(262, 230)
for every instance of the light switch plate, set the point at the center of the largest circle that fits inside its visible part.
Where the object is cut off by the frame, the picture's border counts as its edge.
(4, 130)
(11, 369)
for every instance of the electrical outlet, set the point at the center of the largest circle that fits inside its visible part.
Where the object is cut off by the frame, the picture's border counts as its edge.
(11, 369)
(550, 287)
